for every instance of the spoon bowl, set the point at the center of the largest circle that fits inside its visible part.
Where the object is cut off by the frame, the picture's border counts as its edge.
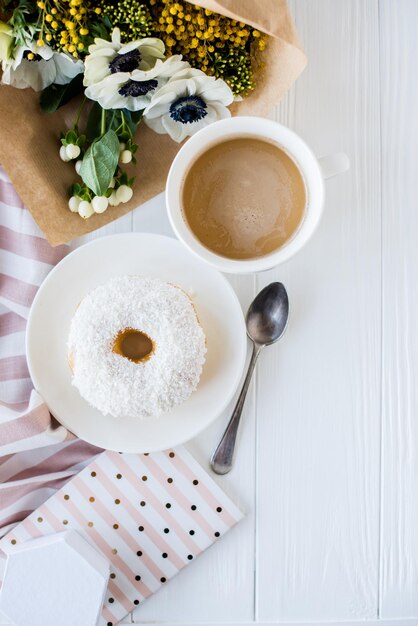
(266, 321)
(268, 314)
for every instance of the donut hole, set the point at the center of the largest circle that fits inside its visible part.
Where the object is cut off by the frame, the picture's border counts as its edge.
(134, 345)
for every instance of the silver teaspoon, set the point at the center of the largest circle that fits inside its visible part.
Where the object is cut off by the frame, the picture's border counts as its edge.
(266, 322)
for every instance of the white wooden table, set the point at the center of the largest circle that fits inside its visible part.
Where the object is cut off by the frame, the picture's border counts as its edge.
(327, 465)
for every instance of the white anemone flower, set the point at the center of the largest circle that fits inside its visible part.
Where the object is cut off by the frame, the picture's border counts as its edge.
(134, 90)
(188, 102)
(106, 58)
(38, 67)
(6, 41)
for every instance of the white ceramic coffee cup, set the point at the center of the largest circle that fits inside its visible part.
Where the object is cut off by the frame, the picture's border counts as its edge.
(312, 169)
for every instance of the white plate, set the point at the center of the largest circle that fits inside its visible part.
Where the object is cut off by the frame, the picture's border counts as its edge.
(148, 255)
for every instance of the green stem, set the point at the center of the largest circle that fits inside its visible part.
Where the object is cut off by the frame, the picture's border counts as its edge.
(123, 121)
(103, 124)
(80, 108)
(125, 126)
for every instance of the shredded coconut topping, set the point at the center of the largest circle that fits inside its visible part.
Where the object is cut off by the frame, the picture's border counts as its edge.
(116, 385)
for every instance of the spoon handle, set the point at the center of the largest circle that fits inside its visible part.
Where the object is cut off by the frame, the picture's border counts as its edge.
(222, 458)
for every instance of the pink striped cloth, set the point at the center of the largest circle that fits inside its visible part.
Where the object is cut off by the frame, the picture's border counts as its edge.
(37, 455)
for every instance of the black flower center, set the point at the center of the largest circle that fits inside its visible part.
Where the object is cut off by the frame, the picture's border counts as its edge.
(135, 88)
(125, 62)
(188, 109)
(31, 56)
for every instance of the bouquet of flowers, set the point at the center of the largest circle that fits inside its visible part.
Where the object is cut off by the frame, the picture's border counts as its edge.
(114, 86)
(172, 65)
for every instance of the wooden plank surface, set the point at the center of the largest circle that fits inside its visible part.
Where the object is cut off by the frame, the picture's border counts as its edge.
(399, 105)
(318, 395)
(327, 465)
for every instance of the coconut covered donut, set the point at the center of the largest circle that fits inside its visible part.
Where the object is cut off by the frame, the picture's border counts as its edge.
(136, 348)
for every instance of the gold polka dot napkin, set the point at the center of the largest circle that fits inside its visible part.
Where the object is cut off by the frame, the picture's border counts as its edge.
(149, 515)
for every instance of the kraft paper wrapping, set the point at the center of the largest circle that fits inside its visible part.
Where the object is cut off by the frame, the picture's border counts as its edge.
(29, 138)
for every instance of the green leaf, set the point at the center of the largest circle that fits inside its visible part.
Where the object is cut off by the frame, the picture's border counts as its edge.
(75, 189)
(100, 162)
(113, 122)
(113, 119)
(55, 96)
(93, 122)
(133, 118)
(102, 28)
(71, 136)
(123, 179)
(136, 116)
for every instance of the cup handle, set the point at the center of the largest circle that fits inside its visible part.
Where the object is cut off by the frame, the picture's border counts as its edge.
(334, 164)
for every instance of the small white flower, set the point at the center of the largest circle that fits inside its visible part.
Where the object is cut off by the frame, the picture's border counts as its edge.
(85, 209)
(133, 90)
(124, 193)
(125, 156)
(113, 200)
(38, 67)
(188, 102)
(74, 203)
(100, 204)
(78, 166)
(72, 151)
(111, 57)
(63, 154)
